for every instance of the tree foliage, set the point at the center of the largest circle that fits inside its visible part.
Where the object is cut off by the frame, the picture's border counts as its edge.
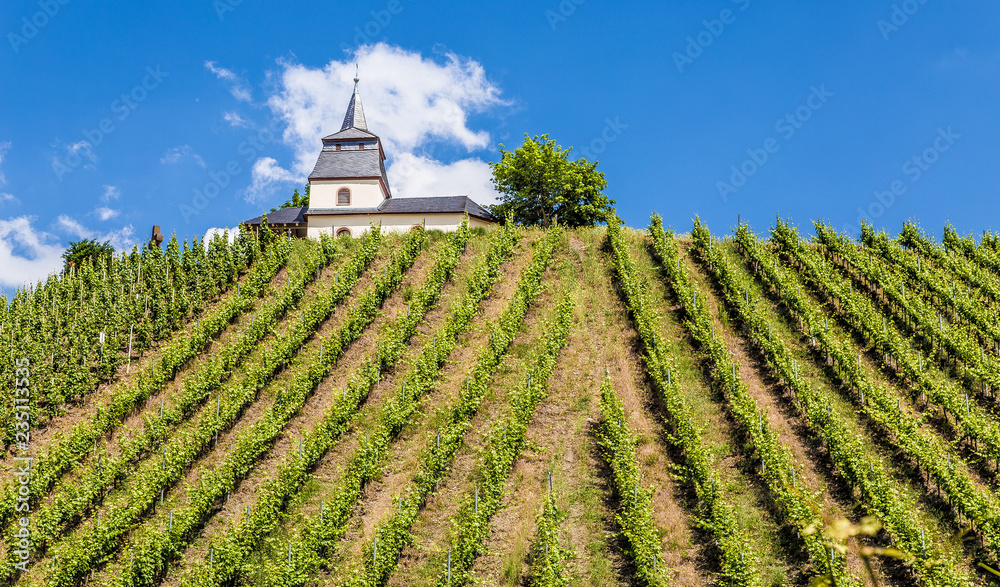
(541, 186)
(297, 201)
(87, 249)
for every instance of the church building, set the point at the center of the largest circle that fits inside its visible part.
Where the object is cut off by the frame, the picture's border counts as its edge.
(349, 190)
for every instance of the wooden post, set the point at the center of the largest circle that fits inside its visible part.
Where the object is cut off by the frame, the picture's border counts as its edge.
(128, 367)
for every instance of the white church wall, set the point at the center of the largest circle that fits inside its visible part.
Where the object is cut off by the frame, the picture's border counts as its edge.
(358, 224)
(365, 193)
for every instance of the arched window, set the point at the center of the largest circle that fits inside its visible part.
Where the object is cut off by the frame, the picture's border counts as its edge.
(344, 197)
(344, 231)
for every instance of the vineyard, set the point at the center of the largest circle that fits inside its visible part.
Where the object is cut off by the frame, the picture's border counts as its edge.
(603, 407)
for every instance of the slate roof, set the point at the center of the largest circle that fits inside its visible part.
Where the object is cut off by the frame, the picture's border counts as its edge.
(462, 204)
(333, 164)
(432, 205)
(282, 216)
(351, 133)
(355, 117)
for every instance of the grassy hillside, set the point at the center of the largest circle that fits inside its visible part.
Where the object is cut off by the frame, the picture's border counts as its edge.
(605, 406)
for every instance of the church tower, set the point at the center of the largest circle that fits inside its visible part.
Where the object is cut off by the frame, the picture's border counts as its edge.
(350, 171)
(349, 191)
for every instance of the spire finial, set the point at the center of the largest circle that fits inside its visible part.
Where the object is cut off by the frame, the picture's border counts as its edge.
(355, 117)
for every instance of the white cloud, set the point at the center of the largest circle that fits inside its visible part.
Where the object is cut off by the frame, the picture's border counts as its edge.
(235, 120)
(120, 239)
(231, 234)
(182, 153)
(110, 193)
(83, 149)
(237, 86)
(416, 175)
(8, 198)
(409, 101)
(26, 254)
(267, 175)
(104, 213)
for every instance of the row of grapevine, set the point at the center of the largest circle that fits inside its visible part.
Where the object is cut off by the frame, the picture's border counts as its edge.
(739, 564)
(846, 449)
(961, 344)
(934, 283)
(548, 557)
(231, 552)
(94, 542)
(504, 444)
(67, 450)
(777, 467)
(986, 255)
(972, 420)
(85, 491)
(78, 328)
(928, 451)
(967, 270)
(395, 533)
(635, 517)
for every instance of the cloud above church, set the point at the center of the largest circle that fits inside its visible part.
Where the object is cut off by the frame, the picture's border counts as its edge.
(416, 175)
(410, 101)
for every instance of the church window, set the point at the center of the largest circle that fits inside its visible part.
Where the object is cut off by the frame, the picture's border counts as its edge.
(361, 146)
(344, 231)
(344, 197)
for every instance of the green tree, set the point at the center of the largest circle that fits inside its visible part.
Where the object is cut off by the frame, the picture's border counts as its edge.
(541, 186)
(87, 249)
(297, 200)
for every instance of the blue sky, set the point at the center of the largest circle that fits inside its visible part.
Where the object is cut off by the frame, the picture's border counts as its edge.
(120, 115)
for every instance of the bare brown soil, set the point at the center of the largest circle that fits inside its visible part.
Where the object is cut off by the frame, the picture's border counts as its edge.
(561, 439)
(932, 507)
(174, 497)
(377, 500)
(316, 407)
(418, 563)
(736, 468)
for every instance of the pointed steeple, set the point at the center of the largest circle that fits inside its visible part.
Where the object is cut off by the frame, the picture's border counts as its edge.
(355, 117)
